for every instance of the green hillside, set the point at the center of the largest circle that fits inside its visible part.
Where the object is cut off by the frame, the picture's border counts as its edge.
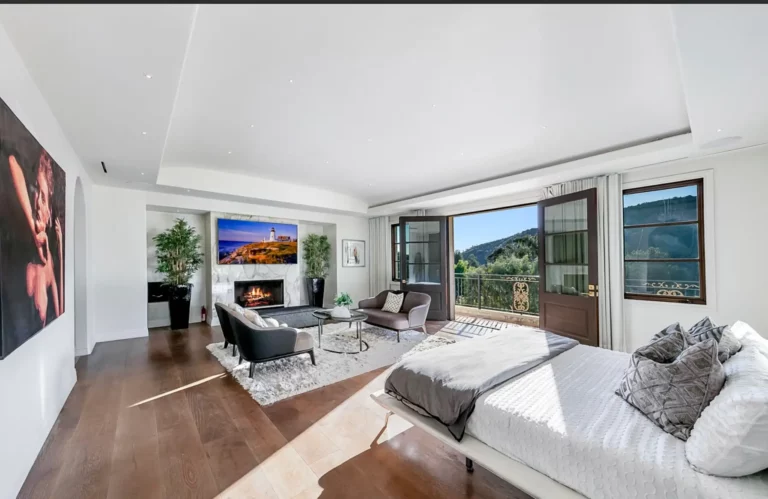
(481, 251)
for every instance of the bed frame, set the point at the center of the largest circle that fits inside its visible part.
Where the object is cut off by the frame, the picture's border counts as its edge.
(516, 473)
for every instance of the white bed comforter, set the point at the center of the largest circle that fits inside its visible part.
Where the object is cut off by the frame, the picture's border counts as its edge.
(564, 420)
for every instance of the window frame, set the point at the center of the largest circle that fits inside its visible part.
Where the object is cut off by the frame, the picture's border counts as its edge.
(394, 231)
(702, 299)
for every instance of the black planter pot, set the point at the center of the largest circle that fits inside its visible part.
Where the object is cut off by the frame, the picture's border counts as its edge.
(178, 306)
(315, 291)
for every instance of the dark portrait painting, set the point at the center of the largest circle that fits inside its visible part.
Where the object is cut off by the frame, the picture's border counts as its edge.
(33, 192)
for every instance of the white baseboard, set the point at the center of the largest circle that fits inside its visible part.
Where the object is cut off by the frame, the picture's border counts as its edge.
(165, 321)
(125, 335)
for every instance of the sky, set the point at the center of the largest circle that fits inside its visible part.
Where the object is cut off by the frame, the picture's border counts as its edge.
(470, 230)
(249, 232)
(646, 197)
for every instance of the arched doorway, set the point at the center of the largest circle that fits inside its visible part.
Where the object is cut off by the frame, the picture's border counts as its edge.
(81, 273)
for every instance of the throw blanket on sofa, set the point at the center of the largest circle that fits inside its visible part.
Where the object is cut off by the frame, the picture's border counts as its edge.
(445, 382)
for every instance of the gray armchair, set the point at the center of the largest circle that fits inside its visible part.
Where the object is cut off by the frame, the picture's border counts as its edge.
(412, 315)
(262, 344)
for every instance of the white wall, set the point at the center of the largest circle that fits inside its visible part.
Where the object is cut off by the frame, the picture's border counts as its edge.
(735, 214)
(36, 379)
(119, 233)
(160, 221)
(119, 240)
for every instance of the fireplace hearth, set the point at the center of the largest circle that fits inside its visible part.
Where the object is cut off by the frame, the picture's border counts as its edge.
(259, 294)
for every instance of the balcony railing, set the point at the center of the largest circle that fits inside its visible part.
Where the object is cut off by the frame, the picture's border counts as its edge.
(687, 289)
(506, 293)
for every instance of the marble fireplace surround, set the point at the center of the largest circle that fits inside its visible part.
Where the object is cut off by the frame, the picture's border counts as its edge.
(223, 277)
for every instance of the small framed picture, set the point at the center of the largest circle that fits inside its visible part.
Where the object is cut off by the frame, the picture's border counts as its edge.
(352, 253)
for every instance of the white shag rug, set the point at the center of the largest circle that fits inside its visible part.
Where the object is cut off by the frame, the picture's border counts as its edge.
(283, 378)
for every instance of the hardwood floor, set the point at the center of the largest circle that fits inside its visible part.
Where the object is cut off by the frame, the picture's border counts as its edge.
(159, 417)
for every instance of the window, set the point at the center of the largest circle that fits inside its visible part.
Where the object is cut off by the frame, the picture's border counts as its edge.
(664, 243)
(395, 252)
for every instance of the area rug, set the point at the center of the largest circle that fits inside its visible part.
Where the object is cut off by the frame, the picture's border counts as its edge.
(283, 378)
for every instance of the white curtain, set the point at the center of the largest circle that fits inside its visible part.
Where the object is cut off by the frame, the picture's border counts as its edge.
(379, 262)
(610, 253)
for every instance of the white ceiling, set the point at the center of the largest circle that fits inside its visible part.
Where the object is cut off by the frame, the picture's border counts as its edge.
(383, 103)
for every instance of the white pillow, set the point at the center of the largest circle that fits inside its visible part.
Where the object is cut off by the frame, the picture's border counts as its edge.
(237, 308)
(749, 337)
(730, 438)
(254, 317)
(394, 302)
(271, 322)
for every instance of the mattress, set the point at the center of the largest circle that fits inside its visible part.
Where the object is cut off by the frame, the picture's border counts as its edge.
(564, 420)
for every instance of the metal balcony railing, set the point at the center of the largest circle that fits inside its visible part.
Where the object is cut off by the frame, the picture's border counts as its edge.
(688, 289)
(506, 293)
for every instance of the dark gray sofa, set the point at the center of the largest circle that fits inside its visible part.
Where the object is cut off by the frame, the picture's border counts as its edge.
(412, 315)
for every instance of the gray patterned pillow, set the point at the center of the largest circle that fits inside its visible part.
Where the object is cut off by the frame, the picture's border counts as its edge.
(676, 327)
(705, 323)
(727, 343)
(671, 383)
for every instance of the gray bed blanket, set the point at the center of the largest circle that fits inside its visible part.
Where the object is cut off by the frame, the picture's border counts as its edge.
(445, 382)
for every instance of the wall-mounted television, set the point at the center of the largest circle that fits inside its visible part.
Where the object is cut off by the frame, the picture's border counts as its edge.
(243, 242)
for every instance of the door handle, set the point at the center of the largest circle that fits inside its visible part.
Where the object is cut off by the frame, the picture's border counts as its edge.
(403, 281)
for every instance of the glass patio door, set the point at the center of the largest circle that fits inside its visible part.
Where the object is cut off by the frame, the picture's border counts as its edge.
(568, 266)
(424, 261)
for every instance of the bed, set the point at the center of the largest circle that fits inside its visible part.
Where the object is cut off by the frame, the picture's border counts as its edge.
(558, 430)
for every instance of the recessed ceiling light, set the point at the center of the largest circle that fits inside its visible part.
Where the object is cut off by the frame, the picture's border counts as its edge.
(719, 130)
(229, 152)
(543, 127)
(143, 133)
(187, 190)
(252, 126)
(290, 81)
(327, 162)
(370, 140)
(434, 106)
(147, 76)
(142, 173)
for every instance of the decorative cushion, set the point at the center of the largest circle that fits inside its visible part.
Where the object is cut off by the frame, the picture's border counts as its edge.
(271, 322)
(705, 329)
(731, 436)
(671, 384)
(394, 303)
(255, 318)
(237, 308)
(705, 323)
(676, 327)
(727, 344)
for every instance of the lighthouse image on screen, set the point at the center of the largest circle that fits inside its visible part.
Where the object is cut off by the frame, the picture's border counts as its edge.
(248, 242)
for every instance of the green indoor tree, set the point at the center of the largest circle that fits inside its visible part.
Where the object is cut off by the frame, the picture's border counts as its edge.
(316, 251)
(178, 253)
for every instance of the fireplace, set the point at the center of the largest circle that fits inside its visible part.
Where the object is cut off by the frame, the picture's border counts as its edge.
(259, 294)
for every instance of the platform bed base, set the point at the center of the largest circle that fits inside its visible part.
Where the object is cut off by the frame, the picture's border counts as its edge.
(516, 473)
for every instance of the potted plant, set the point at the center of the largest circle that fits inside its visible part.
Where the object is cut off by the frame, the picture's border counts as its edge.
(343, 301)
(178, 257)
(316, 252)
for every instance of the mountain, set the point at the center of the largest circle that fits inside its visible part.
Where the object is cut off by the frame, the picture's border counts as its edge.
(682, 208)
(481, 251)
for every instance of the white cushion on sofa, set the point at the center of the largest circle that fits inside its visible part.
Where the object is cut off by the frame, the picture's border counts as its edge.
(749, 337)
(255, 318)
(394, 303)
(730, 438)
(271, 322)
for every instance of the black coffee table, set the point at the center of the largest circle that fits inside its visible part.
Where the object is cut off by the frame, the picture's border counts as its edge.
(355, 317)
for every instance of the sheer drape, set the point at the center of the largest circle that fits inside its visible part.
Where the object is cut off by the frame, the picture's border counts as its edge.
(610, 252)
(379, 264)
